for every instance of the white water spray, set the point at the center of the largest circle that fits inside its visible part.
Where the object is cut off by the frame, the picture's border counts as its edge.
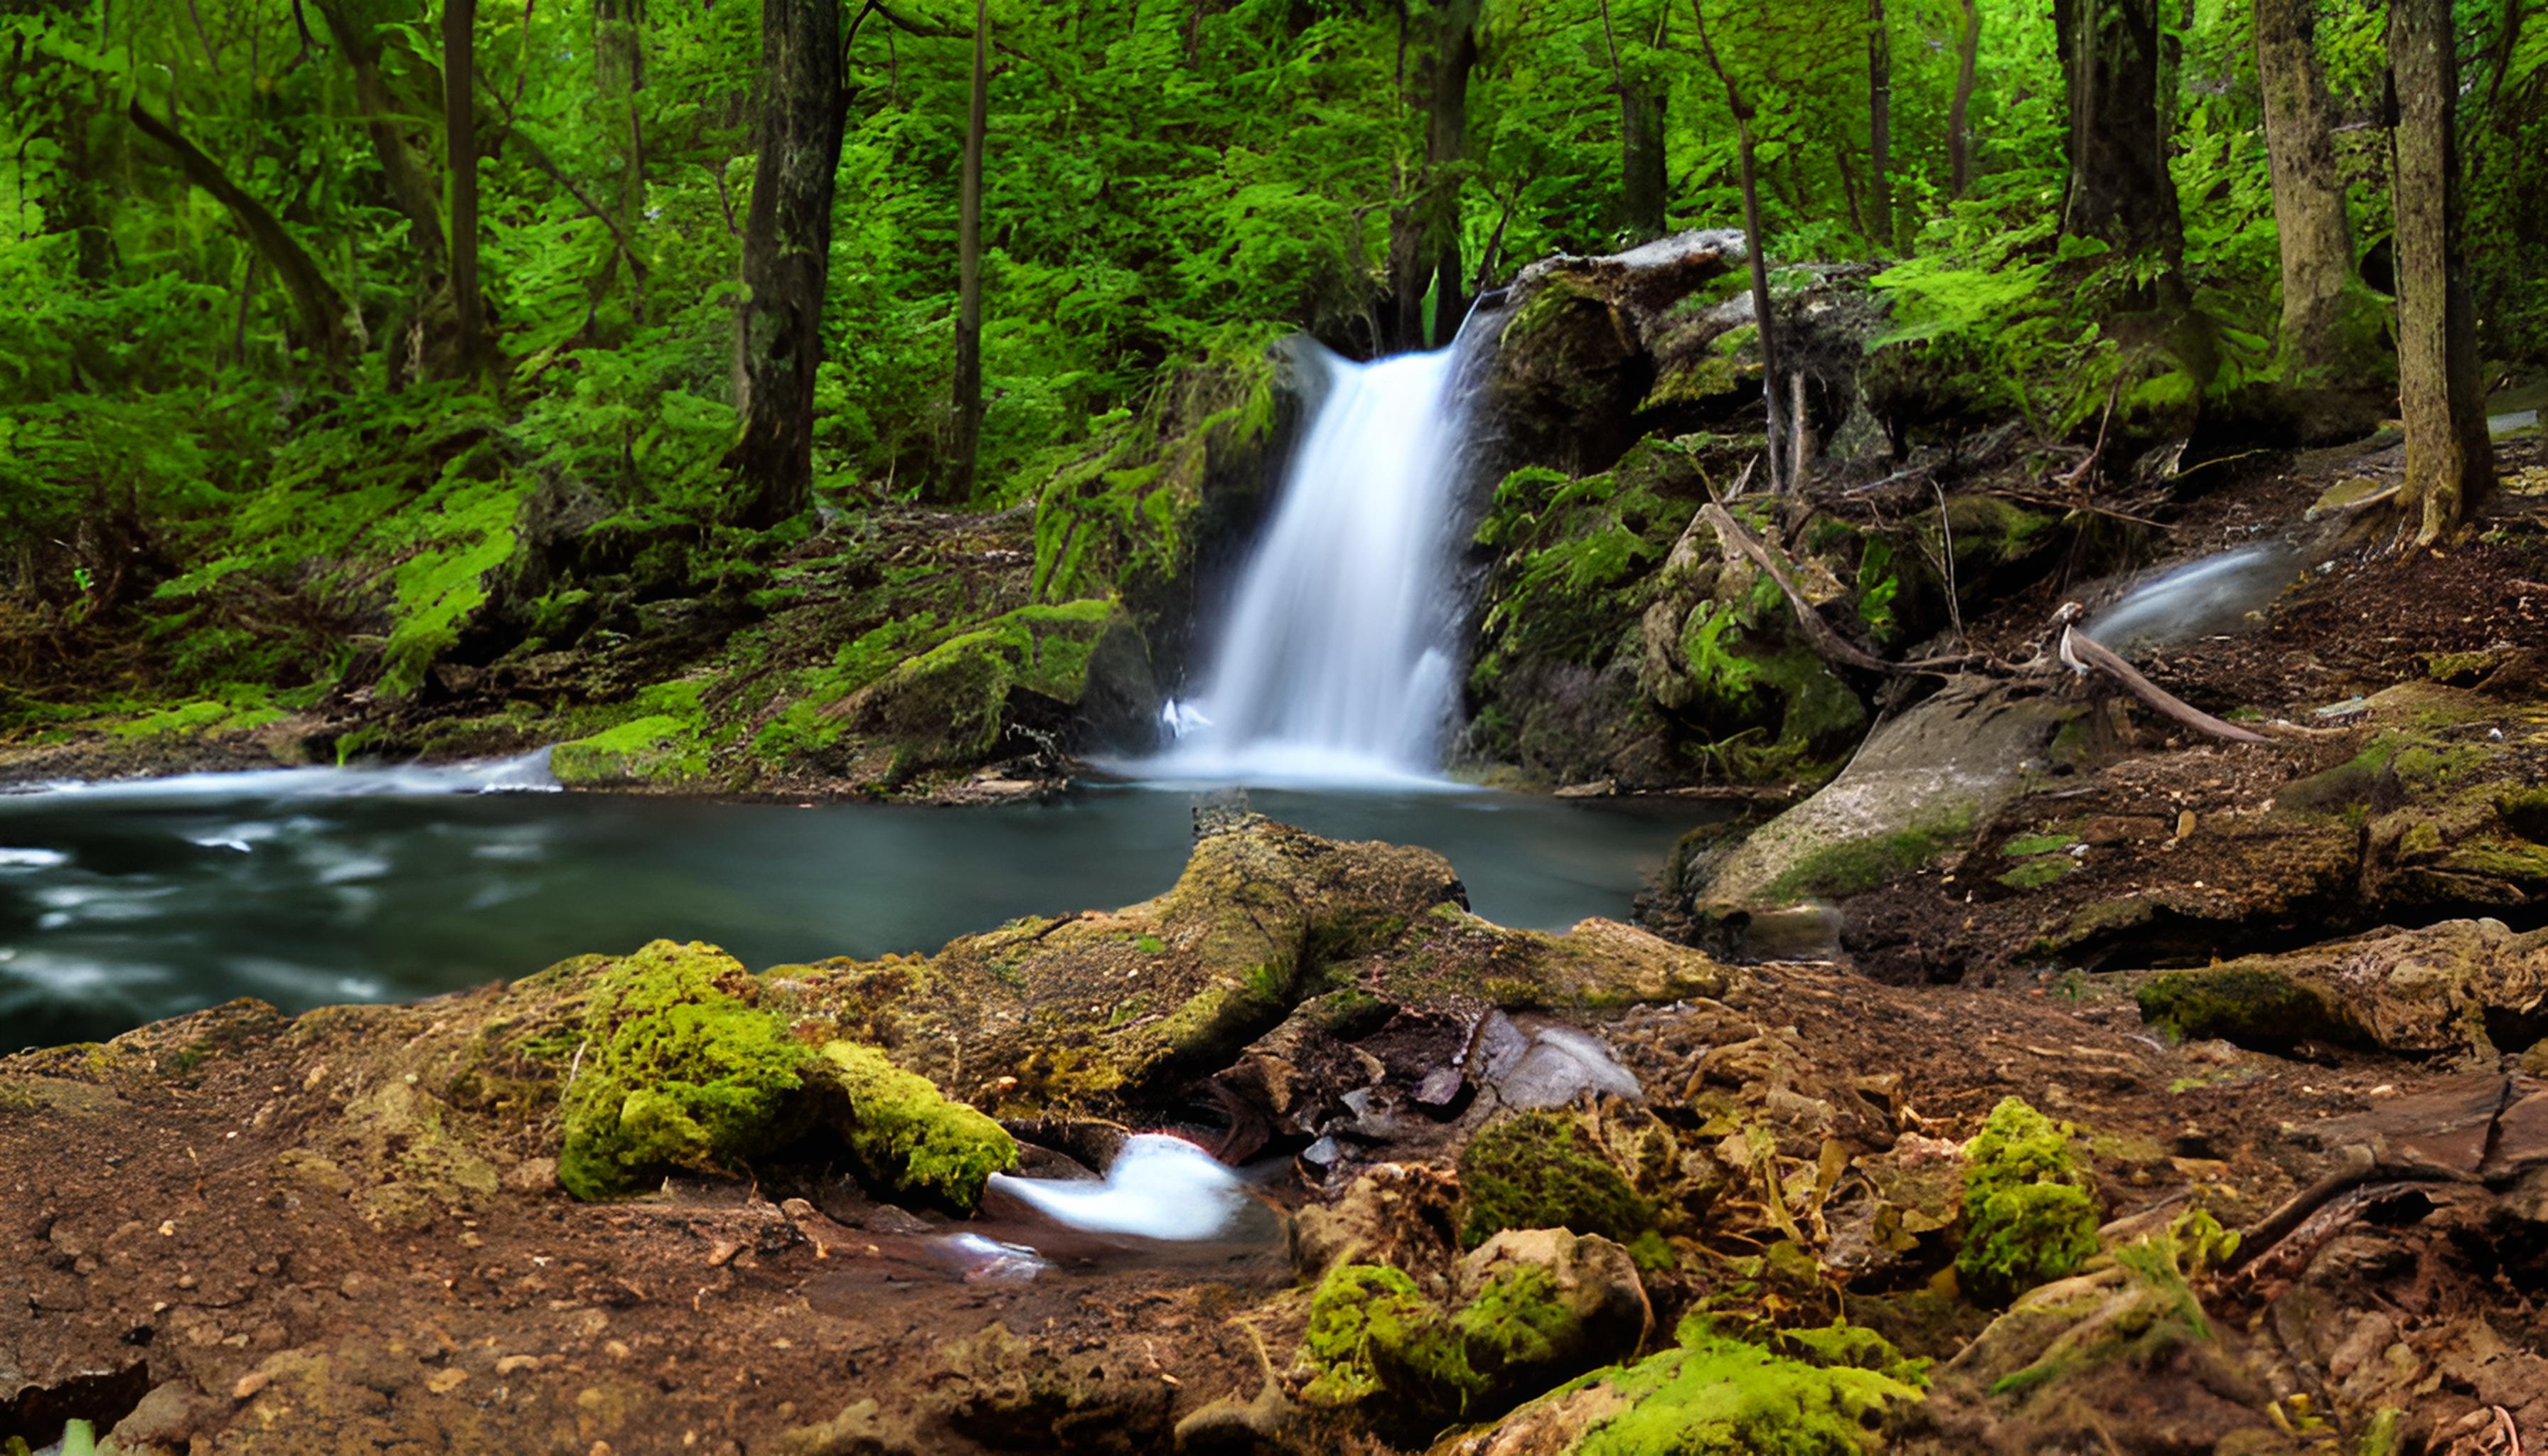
(1337, 663)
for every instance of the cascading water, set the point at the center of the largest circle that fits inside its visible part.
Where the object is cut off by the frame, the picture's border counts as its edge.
(1337, 663)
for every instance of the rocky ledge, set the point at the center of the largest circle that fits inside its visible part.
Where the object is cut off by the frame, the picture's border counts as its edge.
(1587, 1192)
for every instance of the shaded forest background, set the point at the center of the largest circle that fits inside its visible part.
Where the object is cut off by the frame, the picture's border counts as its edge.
(344, 339)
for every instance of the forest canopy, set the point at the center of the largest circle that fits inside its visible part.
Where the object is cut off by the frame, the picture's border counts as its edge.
(318, 309)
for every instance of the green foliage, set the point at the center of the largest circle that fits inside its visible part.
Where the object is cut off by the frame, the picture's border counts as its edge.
(677, 1068)
(1543, 1170)
(2028, 1216)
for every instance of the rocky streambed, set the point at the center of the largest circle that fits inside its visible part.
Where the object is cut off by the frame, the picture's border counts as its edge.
(1515, 1192)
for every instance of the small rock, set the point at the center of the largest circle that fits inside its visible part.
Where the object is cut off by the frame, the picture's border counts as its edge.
(886, 1219)
(165, 1417)
(532, 1175)
(444, 1382)
(249, 1384)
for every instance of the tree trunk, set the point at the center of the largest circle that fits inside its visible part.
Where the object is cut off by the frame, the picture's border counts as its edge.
(2450, 463)
(2119, 193)
(1960, 112)
(620, 71)
(1642, 182)
(314, 300)
(460, 136)
(964, 449)
(2309, 195)
(786, 258)
(357, 33)
(1754, 253)
(1425, 230)
(1879, 124)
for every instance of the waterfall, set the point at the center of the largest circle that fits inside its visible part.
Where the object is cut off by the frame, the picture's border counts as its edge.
(1338, 661)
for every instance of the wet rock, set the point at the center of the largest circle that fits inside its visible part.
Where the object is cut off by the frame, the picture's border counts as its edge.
(1551, 1066)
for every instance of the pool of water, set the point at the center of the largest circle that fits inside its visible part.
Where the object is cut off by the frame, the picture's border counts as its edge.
(123, 903)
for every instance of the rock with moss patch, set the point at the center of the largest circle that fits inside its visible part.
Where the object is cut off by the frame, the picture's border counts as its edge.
(948, 707)
(2029, 1215)
(907, 1136)
(1717, 1395)
(678, 1067)
(2462, 985)
(1545, 1171)
(655, 749)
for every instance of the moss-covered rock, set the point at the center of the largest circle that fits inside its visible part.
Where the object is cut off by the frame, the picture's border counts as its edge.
(907, 1137)
(1545, 1171)
(678, 1067)
(1717, 1395)
(947, 707)
(657, 748)
(2458, 985)
(2029, 1215)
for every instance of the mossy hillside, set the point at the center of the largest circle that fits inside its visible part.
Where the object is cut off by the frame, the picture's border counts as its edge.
(947, 707)
(2029, 1215)
(907, 1136)
(1545, 1171)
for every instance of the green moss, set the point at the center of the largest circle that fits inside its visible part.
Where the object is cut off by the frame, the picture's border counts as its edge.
(2026, 845)
(2035, 875)
(676, 1068)
(2496, 858)
(2028, 1218)
(197, 718)
(946, 706)
(2247, 1004)
(659, 747)
(1371, 1332)
(1855, 867)
(907, 1135)
(1722, 1396)
(1518, 1321)
(2525, 814)
(1543, 1170)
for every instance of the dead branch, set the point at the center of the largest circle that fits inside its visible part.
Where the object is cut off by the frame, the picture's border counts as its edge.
(1826, 642)
(2082, 653)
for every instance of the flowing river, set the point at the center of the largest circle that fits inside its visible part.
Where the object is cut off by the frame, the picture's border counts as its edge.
(120, 903)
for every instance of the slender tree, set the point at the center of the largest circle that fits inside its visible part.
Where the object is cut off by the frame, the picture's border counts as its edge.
(964, 450)
(1438, 48)
(2450, 462)
(1879, 124)
(358, 28)
(2309, 195)
(1752, 244)
(2119, 192)
(786, 258)
(1642, 182)
(469, 357)
(1959, 111)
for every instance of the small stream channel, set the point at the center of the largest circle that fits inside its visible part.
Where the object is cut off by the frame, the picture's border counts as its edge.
(121, 903)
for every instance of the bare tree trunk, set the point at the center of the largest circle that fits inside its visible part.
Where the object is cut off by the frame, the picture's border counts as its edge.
(460, 136)
(1879, 122)
(1753, 251)
(2119, 192)
(964, 449)
(2450, 462)
(320, 307)
(620, 70)
(356, 26)
(1642, 181)
(1424, 228)
(1960, 112)
(2309, 195)
(787, 257)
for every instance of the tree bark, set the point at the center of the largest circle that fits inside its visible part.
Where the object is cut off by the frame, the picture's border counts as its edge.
(320, 307)
(2119, 192)
(786, 258)
(964, 450)
(1642, 182)
(2450, 462)
(357, 31)
(1959, 111)
(2309, 195)
(1754, 253)
(1879, 124)
(460, 136)
(1424, 228)
(620, 71)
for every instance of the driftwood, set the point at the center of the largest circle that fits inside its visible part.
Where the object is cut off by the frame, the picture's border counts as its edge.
(1824, 639)
(2082, 653)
